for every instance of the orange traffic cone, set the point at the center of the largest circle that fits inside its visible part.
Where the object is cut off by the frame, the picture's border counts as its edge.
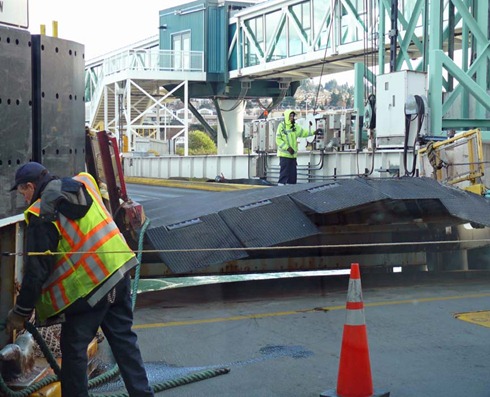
(354, 378)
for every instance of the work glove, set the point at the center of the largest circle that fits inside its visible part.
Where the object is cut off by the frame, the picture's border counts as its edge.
(15, 322)
(290, 150)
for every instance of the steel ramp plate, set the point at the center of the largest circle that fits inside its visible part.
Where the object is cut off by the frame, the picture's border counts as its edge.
(407, 188)
(337, 195)
(277, 215)
(468, 206)
(268, 222)
(190, 207)
(191, 235)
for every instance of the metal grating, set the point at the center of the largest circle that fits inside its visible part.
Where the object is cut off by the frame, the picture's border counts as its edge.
(210, 203)
(267, 223)
(407, 188)
(204, 232)
(272, 216)
(467, 206)
(337, 195)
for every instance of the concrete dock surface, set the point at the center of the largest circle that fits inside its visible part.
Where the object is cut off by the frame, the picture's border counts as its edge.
(427, 333)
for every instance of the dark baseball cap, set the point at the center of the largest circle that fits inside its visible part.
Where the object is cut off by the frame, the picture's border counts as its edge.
(29, 172)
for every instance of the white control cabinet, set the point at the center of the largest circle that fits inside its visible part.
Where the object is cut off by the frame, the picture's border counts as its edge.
(392, 91)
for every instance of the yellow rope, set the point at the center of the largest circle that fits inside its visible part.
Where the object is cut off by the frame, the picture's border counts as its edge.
(296, 247)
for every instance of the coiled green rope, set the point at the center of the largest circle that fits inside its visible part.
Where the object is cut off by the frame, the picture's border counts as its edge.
(158, 387)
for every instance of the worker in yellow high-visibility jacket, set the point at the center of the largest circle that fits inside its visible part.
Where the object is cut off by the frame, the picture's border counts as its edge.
(287, 135)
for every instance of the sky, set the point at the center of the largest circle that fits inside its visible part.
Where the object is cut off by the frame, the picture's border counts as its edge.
(103, 26)
(100, 25)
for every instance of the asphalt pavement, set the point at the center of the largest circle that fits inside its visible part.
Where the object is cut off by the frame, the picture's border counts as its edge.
(283, 337)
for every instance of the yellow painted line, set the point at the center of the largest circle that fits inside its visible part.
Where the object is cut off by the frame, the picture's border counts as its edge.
(197, 185)
(292, 312)
(480, 318)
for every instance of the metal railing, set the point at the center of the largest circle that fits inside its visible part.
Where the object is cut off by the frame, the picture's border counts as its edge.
(145, 60)
(154, 60)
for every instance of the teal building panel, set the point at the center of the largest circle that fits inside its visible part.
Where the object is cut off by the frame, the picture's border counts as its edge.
(200, 26)
(185, 19)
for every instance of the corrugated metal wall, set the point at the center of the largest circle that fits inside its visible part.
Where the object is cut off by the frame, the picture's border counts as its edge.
(178, 23)
(216, 40)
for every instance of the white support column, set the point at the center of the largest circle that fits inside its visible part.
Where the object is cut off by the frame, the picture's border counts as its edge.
(119, 120)
(186, 118)
(129, 121)
(106, 104)
(233, 119)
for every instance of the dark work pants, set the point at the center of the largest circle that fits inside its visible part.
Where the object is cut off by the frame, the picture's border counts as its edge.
(80, 327)
(288, 172)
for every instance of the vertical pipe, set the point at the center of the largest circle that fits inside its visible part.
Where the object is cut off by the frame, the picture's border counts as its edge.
(381, 38)
(393, 34)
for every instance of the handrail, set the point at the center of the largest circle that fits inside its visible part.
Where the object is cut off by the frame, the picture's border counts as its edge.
(154, 60)
(145, 60)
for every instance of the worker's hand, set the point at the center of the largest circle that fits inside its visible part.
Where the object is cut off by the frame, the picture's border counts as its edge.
(290, 150)
(15, 322)
(311, 124)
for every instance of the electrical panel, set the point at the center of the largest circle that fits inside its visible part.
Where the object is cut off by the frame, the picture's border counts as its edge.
(263, 134)
(394, 93)
(273, 126)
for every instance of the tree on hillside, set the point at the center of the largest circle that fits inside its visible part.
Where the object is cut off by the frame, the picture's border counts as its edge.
(335, 99)
(199, 144)
(331, 85)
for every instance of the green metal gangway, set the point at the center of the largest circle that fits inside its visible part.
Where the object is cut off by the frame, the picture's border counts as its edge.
(240, 50)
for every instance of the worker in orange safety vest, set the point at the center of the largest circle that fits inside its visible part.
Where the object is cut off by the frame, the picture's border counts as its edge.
(86, 284)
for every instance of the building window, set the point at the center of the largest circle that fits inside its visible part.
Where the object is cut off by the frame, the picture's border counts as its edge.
(181, 46)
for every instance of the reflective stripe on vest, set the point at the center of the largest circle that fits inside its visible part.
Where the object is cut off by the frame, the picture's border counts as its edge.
(87, 261)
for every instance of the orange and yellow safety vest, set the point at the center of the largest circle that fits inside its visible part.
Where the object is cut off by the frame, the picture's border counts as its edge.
(90, 250)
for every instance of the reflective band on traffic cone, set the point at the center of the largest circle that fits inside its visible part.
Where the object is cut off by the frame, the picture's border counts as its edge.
(354, 379)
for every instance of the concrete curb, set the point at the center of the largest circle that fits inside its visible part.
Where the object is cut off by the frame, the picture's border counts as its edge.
(197, 185)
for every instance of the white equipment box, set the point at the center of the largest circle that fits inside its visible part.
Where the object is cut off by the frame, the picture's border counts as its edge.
(392, 92)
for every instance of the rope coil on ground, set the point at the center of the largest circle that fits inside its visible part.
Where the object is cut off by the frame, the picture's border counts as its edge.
(30, 327)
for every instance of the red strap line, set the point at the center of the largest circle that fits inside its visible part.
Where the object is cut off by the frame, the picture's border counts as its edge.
(354, 305)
